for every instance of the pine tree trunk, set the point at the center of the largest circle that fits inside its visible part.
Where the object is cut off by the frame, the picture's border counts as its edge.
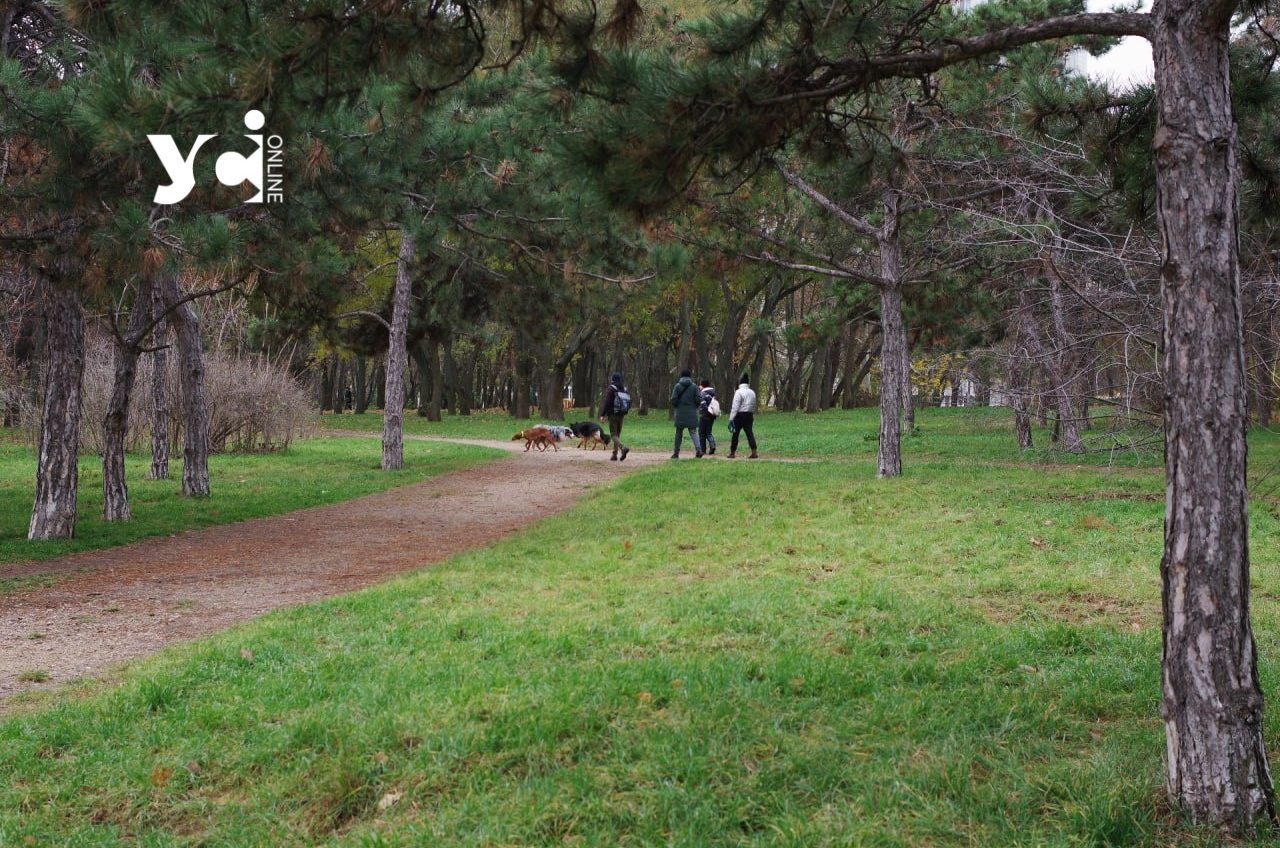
(57, 474)
(450, 381)
(159, 388)
(115, 424)
(1018, 390)
(1065, 370)
(893, 350)
(361, 393)
(397, 360)
(195, 409)
(1212, 704)
(908, 401)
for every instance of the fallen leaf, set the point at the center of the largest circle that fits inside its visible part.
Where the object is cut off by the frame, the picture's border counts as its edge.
(246, 655)
(1029, 669)
(1036, 541)
(626, 546)
(644, 697)
(385, 802)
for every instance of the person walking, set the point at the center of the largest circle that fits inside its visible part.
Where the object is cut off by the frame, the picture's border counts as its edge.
(708, 412)
(685, 398)
(742, 416)
(614, 407)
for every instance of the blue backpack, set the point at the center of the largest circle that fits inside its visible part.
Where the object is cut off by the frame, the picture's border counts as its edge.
(621, 402)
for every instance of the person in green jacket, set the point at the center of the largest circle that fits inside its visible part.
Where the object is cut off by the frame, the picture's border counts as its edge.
(685, 398)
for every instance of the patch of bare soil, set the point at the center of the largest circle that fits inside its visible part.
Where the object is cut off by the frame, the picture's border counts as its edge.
(127, 602)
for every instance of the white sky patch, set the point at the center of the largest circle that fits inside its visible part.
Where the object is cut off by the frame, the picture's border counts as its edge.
(1125, 65)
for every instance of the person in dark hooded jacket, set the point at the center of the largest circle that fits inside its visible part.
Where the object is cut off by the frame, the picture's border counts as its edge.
(608, 411)
(685, 398)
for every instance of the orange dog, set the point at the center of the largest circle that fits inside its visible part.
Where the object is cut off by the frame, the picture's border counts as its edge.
(539, 437)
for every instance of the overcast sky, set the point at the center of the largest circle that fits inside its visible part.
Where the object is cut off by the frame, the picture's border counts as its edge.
(1128, 62)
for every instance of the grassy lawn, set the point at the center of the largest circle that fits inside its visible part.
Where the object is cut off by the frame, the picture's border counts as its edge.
(703, 654)
(312, 472)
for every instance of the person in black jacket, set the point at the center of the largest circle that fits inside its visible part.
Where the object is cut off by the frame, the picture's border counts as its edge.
(685, 398)
(706, 418)
(609, 411)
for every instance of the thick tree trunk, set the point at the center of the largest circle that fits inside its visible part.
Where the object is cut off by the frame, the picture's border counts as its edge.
(326, 383)
(467, 383)
(159, 388)
(908, 401)
(1018, 391)
(397, 360)
(1212, 704)
(115, 424)
(433, 396)
(57, 474)
(195, 409)
(361, 393)
(450, 400)
(893, 333)
(522, 402)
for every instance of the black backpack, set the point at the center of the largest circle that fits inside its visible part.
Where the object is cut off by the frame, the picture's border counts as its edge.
(621, 402)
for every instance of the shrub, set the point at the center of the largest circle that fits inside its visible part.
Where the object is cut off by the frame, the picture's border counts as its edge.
(254, 404)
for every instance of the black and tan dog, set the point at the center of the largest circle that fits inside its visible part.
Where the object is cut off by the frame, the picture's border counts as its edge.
(589, 433)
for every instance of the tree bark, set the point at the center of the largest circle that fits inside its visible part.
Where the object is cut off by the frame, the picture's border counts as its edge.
(1066, 370)
(893, 333)
(908, 401)
(1212, 698)
(433, 395)
(159, 388)
(115, 424)
(361, 393)
(1018, 391)
(57, 474)
(397, 359)
(326, 383)
(195, 409)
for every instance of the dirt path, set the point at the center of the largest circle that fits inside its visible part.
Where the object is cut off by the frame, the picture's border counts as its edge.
(131, 601)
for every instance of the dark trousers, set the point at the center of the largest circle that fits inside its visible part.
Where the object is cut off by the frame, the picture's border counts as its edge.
(744, 422)
(615, 431)
(693, 434)
(705, 423)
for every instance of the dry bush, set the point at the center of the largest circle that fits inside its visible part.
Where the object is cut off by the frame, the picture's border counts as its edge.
(254, 405)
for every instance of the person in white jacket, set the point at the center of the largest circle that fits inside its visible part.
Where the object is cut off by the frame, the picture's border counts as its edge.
(742, 416)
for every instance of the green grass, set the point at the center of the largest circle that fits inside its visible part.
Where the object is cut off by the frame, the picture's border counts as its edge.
(310, 473)
(704, 654)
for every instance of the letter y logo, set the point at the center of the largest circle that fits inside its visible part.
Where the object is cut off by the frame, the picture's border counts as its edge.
(182, 172)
